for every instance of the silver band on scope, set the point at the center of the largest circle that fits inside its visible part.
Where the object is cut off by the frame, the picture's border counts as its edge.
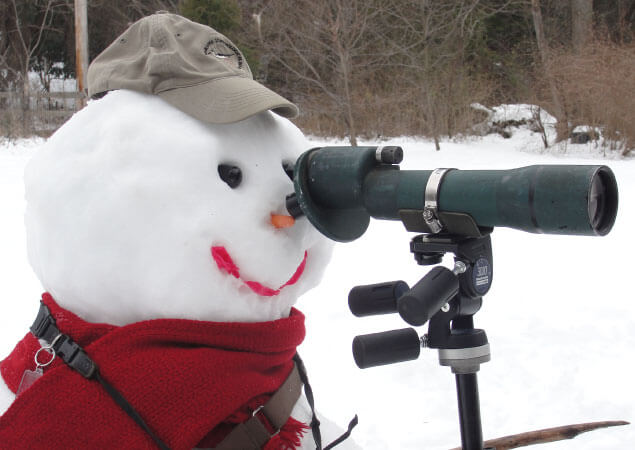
(431, 195)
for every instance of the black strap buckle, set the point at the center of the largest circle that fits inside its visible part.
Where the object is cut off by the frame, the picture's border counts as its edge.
(75, 357)
(44, 325)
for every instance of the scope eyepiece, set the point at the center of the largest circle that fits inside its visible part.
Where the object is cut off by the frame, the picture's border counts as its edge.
(293, 206)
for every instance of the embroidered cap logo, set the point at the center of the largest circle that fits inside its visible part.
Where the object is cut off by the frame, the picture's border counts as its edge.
(224, 50)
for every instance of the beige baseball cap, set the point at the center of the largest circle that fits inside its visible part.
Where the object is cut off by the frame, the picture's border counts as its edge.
(189, 65)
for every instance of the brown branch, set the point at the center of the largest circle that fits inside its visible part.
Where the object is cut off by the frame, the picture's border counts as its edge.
(19, 25)
(41, 29)
(547, 435)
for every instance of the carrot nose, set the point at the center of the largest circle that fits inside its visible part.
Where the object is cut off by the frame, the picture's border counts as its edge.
(282, 221)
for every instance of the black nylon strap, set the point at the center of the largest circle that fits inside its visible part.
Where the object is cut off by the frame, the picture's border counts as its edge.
(75, 357)
(308, 392)
(352, 424)
(127, 407)
(315, 423)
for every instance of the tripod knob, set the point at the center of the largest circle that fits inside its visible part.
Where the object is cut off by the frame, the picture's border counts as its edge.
(427, 297)
(372, 299)
(388, 347)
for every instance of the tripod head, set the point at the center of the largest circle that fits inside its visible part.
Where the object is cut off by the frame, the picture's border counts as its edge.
(447, 299)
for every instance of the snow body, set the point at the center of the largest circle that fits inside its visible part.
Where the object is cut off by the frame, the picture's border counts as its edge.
(125, 202)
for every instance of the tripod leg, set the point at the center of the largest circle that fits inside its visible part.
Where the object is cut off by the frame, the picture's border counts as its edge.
(469, 411)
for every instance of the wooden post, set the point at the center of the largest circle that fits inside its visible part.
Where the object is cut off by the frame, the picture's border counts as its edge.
(562, 127)
(81, 49)
(581, 23)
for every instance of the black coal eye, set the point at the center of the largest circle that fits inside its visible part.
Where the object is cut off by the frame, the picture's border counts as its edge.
(231, 175)
(288, 169)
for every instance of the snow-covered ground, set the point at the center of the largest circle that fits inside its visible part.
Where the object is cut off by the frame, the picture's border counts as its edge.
(560, 316)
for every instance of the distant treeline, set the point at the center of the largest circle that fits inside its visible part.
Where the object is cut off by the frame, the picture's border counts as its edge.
(380, 67)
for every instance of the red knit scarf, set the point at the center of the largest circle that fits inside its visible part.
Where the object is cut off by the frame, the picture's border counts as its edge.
(189, 380)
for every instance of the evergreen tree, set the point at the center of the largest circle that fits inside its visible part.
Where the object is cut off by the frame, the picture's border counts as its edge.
(222, 15)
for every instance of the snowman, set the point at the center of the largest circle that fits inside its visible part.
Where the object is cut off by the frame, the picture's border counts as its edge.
(156, 223)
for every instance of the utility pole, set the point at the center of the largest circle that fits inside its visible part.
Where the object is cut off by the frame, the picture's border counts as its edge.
(582, 23)
(562, 127)
(81, 49)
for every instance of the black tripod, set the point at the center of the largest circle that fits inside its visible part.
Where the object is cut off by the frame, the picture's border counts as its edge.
(448, 300)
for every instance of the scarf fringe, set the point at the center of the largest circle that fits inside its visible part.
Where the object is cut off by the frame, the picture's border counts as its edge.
(290, 436)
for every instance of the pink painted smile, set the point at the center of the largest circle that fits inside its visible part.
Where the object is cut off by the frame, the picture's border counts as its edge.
(226, 264)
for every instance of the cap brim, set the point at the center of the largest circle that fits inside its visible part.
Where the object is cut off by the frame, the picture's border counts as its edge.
(227, 100)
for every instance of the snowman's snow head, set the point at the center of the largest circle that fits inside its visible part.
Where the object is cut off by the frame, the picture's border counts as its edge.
(128, 217)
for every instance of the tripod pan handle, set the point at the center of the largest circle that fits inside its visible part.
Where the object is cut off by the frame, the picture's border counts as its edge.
(372, 299)
(388, 347)
(428, 296)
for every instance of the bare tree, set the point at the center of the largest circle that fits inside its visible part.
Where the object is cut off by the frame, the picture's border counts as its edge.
(326, 46)
(28, 38)
(27, 23)
(625, 18)
(124, 12)
(433, 40)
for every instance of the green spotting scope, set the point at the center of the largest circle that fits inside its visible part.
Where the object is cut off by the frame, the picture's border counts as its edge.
(340, 188)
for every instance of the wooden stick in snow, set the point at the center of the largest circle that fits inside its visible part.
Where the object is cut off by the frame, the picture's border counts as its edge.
(547, 435)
